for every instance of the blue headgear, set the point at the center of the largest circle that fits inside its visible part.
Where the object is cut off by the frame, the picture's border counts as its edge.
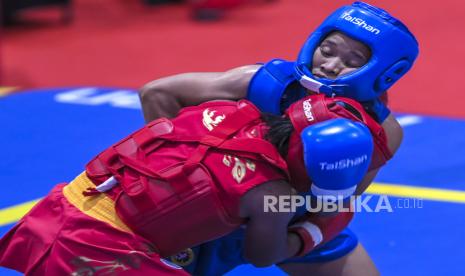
(393, 51)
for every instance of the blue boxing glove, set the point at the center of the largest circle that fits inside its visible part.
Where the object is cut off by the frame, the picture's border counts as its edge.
(274, 87)
(337, 154)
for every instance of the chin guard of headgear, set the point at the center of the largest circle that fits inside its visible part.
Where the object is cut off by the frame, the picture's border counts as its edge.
(393, 52)
(315, 110)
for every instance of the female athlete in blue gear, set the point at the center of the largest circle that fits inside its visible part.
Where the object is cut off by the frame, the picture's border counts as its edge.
(359, 52)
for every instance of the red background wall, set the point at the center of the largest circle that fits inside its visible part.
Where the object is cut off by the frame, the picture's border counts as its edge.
(124, 43)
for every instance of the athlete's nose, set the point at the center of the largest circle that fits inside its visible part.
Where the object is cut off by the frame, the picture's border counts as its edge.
(331, 67)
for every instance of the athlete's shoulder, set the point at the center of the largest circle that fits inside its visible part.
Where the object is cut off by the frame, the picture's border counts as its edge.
(236, 80)
(394, 133)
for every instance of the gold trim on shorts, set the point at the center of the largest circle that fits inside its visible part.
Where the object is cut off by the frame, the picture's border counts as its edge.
(99, 207)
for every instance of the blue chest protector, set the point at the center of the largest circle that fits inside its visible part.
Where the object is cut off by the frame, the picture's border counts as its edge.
(274, 87)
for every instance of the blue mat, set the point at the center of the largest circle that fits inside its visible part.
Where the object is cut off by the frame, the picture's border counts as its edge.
(49, 135)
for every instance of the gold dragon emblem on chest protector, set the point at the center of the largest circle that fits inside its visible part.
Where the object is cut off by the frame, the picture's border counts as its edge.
(239, 167)
(209, 120)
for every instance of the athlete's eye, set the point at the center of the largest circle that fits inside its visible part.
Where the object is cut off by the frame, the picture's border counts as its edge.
(356, 60)
(353, 63)
(326, 51)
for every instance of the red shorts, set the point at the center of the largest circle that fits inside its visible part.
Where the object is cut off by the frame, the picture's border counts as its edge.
(56, 238)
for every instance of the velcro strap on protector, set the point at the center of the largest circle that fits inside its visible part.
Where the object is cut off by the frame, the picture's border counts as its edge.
(219, 138)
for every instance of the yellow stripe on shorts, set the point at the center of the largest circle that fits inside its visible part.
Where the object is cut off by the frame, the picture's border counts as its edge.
(100, 207)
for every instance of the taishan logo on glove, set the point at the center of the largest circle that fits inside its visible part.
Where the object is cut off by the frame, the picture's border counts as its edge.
(344, 163)
(240, 167)
(307, 106)
(359, 22)
(208, 121)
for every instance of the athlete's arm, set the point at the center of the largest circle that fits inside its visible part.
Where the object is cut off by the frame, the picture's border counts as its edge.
(267, 240)
(166, 96)
(395, 134)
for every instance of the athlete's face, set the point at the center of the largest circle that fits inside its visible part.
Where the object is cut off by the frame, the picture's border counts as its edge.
(339, 55)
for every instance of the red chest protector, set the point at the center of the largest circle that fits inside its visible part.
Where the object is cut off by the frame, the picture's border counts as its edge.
(180, 180)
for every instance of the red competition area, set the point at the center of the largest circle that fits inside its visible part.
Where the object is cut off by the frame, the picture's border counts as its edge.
(124, 43)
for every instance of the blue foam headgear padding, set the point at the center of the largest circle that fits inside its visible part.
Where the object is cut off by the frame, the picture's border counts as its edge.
(393, 52)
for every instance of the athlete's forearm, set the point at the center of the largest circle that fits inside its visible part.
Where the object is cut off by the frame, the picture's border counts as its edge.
(280, 251)
(166, 96)
(294, 244)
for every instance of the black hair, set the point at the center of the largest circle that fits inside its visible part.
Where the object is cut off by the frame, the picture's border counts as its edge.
(280, 130)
